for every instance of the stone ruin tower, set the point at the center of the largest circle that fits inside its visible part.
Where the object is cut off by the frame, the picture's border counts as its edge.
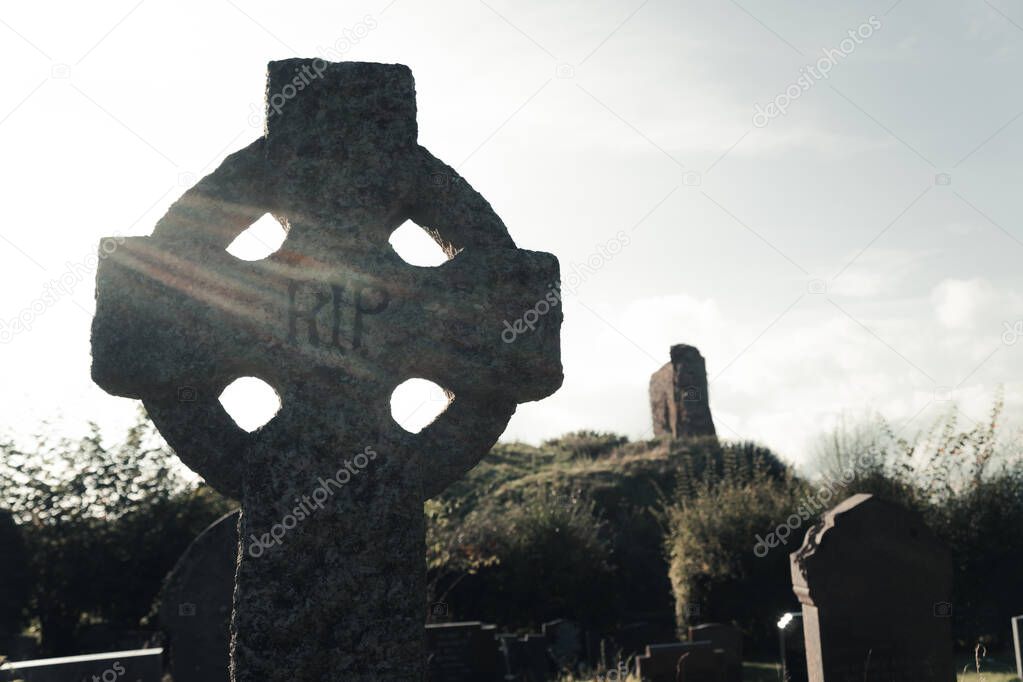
(678, 396)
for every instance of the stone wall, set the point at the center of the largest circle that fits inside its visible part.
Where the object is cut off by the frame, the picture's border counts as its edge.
(678, 396)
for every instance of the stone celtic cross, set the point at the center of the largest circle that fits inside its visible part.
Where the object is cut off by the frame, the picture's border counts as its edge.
(329, 585)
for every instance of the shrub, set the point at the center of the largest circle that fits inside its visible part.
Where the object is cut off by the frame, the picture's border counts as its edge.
(102, 525)
(968, 485)
(715, 574)
(542, 559)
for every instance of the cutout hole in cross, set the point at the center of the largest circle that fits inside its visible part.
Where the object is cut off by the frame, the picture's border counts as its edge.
(251, 402)
(415, 403)
(260, 240)
(414, 246)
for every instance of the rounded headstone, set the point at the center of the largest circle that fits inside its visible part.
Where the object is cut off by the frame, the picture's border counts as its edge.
(195, 604)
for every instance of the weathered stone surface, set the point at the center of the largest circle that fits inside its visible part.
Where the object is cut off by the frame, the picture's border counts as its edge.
(679, 403)
(875, 585)
(331, 580)
(195, 604)
(462, 652)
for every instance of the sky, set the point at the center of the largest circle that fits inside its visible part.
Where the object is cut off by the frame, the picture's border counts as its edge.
(824, 200)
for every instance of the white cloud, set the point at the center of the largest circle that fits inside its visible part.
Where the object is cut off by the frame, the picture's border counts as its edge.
(957, 302)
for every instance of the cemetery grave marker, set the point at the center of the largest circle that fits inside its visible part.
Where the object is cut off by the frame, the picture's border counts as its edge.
(463, 652)
(334, 321)
(875, 586)
(681, 662)
(726, 639)
(195, 604)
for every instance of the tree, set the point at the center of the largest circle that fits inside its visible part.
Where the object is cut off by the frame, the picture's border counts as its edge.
(102, 524)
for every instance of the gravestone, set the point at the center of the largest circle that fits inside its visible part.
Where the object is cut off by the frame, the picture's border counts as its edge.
(725, 638)
(15, 580)
(792, 648)
(512, 655)
(681, 662)
(142, 665)
(565, 642)
(462, 652)
(526, 658)
(538, 664)
(331, 580)
(1017, 642)
(195, 604)
(679, 403)
(875, 586)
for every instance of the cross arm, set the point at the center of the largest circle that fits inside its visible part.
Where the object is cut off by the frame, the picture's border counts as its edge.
(204, 437)
(223, 204)
(457, 441)
(451, 211)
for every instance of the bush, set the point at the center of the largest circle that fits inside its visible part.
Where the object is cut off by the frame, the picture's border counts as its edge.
(715, 574)
(543, 559)
(626, 488)
(968, 485)
(102, 526)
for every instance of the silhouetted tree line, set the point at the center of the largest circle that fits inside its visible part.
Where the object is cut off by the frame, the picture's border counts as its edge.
(90, 530)
(587, 526)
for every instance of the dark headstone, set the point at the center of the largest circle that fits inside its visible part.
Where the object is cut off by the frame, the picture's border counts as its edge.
(537, 665)
(1017, 642)
(525, 659)
(511, 659)
(122, 666)
(462, 652)
(331, 581)
(725, 638)
(875, 585)
(566, 642)
(15, 577)
(678, 396)
(681, 662)
(195, 604)
(793, 648)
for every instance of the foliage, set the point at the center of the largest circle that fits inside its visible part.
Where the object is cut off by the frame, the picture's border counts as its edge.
(967, 482)
(539, 560)
(715, 573)
(102, 524)
(625, 486)
(708, 463)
